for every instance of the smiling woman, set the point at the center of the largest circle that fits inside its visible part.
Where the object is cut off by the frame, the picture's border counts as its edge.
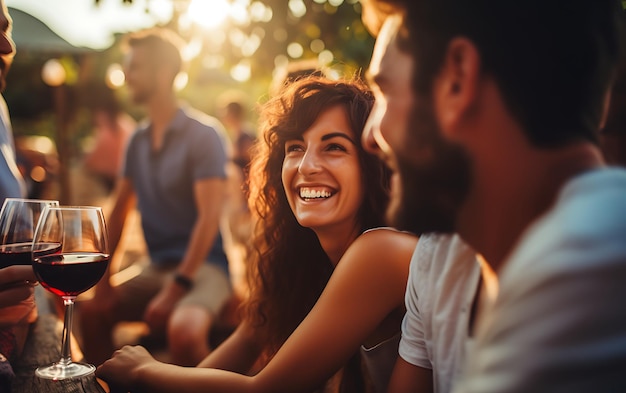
(327, 285)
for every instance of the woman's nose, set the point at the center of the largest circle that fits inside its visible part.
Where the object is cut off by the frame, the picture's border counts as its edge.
(310, 163)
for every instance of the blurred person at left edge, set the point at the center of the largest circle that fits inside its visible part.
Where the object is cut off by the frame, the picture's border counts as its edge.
(16, 282)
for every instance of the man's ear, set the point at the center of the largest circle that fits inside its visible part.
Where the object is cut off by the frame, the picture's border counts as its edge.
(456, 87)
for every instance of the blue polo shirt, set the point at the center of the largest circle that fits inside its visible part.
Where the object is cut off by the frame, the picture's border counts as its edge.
(193, 149)
(11, 182)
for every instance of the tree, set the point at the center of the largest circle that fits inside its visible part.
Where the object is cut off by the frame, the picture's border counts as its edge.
(276, 31)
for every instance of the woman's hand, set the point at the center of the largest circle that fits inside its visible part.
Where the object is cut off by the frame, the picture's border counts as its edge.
(121, 371)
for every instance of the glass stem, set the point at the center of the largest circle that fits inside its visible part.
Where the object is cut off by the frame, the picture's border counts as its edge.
(66, 351)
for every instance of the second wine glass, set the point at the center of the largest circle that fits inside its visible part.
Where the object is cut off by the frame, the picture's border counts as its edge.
(81, 260)
(18, 220)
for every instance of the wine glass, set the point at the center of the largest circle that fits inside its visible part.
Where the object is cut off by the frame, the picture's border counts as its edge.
(78, 264)
(18, 220)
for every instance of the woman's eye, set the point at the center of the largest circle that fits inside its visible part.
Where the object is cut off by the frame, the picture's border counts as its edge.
(336, 147)
(293, 148)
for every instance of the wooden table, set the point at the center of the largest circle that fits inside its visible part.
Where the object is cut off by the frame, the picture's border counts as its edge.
(43, 346)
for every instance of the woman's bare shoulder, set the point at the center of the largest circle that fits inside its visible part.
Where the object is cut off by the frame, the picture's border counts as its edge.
(377, 262)
(382, 244)
(386, 236)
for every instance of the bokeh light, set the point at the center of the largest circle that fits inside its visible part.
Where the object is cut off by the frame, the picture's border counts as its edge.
(317, 46)
(209, 13)
(241, 72)
(115, 77)
(325, 57)
(259, 12)
(53, 73)
(295, 50)
(297, 8)
(181, 80)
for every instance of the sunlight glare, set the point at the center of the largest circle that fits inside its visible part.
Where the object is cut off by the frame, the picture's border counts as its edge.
(162, 8)
(239, 14)
(209, 13)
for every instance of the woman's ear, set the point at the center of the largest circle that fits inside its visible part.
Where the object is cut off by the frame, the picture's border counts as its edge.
(455, 90)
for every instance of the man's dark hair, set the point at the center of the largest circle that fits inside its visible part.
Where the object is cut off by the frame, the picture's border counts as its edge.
(164, 46)
(553, 60)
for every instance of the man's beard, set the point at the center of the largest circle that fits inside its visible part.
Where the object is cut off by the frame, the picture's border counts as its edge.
(141, 95)
(140, 98)
(435, 178)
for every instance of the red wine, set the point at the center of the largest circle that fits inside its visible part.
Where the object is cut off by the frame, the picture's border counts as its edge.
(21, 253)
(70, 274)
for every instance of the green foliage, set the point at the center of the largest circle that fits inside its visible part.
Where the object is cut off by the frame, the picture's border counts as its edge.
(337, 28)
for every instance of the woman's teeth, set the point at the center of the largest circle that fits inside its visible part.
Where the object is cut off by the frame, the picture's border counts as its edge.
(308, 193)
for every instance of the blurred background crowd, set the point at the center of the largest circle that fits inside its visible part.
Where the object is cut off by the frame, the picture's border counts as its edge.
(71, 114)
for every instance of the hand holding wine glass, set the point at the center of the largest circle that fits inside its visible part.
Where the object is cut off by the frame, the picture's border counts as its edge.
(18, 220)
(80, 261)
(16, 289)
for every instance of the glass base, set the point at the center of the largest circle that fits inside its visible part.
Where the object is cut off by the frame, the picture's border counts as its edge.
(59, 371)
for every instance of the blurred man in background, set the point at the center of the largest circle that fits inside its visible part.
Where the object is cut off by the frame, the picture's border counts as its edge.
(174, 173)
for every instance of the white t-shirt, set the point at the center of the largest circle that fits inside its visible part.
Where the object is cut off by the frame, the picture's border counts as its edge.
(443, 279)
(559, 323)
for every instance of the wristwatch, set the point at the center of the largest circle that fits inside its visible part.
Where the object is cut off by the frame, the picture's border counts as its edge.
(183, 281)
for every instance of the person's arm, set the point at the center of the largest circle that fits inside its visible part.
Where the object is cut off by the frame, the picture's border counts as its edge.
(237, 353)
(407, 378)
(367, 285)
(413, 370)
(209, 196)
(124, 202)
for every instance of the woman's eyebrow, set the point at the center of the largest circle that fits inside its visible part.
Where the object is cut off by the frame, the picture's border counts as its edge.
(337, 134)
